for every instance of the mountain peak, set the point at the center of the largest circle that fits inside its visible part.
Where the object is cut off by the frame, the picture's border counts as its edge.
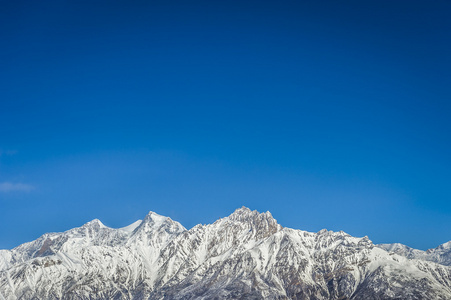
(96, 223)
(244, 214)
(445, 246)
(241, 213)
(154, 216)
(263, 223)
(155, 221)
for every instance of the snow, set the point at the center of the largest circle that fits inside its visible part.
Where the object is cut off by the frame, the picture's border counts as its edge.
(247, 248)
(130, 228)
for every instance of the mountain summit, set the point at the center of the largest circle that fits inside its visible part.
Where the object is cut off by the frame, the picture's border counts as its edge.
(260, 224)
(246, 255)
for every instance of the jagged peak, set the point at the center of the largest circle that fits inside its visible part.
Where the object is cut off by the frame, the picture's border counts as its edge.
(263, 223)
(444, 246)
(95, 223)
(156, 221)
(244, 214)
(153, 216)
(243, 209)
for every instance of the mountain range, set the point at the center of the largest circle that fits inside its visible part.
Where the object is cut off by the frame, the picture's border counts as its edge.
(246, 255)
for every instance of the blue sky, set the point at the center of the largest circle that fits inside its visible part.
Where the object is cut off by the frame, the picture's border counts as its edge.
(329, 115)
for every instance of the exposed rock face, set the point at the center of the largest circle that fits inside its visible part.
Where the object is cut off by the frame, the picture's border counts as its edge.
(246, 255)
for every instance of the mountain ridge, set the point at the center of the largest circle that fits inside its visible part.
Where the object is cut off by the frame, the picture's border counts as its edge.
(244, 255)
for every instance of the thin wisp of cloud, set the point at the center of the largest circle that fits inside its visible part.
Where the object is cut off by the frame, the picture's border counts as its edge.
(6, 187)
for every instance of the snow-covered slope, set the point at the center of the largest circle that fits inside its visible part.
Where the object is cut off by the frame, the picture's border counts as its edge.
(440, 255)
(246, 255)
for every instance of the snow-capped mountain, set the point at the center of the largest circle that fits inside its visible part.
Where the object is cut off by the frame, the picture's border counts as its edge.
(246, 255)
(440, 255)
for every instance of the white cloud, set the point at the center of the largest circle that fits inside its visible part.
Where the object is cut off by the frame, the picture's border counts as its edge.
(6, 187)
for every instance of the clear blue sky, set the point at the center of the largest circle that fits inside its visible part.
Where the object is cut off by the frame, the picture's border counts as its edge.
(329, 114)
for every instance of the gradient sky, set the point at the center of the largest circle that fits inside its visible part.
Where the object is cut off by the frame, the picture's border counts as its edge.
(329, 114)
